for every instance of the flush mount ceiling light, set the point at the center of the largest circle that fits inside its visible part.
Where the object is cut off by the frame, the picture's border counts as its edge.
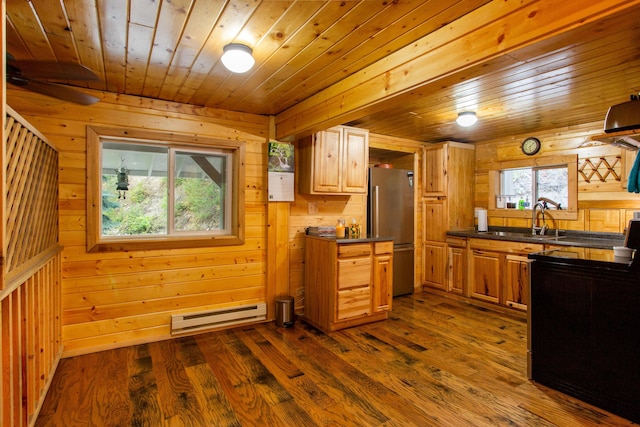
(466, 118)
(237, 58)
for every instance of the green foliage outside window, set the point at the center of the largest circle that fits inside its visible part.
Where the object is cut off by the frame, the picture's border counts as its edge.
(198, 205)
(143, 211)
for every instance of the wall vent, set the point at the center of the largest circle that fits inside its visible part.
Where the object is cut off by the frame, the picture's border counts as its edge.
(199, 321)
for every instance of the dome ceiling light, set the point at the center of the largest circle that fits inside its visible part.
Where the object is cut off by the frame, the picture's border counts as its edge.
(467, 118)
(237, 58)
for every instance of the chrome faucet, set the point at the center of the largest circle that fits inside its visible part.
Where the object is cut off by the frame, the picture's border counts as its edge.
(542, 204)
(549, 202)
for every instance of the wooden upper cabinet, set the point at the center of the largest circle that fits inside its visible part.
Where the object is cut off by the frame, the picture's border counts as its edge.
(448, 169)
(355, 160)
(434, 170)
(326, 153)
(334, 161)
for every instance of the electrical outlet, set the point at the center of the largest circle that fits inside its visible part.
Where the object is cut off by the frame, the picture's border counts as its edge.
(312, 208)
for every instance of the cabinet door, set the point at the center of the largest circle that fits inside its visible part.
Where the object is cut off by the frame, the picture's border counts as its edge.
(457, 270)
(382, 282)
(434, 170)
(485, 275)
(355, 160)
(434, 264)
(433, 222)
(517, 282)
(327, 151)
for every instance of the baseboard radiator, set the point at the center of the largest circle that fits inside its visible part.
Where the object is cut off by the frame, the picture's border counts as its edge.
(203, 320)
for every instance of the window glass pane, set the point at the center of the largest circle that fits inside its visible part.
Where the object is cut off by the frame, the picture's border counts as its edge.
(553, 183)
(517, 184)
(134, 190)
(200, 193)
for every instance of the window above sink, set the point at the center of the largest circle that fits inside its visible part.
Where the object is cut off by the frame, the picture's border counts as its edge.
(534, 178)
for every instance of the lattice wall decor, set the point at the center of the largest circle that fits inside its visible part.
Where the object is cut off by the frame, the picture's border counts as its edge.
(604, 169)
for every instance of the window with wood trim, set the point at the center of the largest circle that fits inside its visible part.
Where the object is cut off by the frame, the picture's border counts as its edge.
(531, 176)
(148, 190)
(528, 184)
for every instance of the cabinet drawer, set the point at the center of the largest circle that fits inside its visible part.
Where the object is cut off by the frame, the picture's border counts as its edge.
(354, 249)
(354, 303)
(505, 246)
(383, 248)
(458, 242)
(355, 272)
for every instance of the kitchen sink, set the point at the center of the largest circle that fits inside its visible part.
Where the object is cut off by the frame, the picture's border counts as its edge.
(525, 235)
(546, 237)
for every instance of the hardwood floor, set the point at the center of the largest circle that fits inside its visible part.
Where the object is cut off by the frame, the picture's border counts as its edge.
(434, 362)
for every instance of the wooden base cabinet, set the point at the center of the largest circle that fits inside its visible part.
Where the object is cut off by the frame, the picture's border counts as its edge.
(457, 265)
(485, 275)
(499, 271)
(382, 276)
(347, 283)
(517, 281)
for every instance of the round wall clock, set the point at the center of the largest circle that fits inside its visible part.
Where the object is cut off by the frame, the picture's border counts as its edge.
(530, 146)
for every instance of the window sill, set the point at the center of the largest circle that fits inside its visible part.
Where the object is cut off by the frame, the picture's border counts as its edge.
(122, 245)
(526, 213)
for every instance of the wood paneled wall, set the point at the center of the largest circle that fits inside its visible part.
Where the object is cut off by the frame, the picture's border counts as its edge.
(120, 298)
(604, 205)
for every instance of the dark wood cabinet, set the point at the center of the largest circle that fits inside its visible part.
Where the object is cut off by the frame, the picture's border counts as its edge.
(584, 324)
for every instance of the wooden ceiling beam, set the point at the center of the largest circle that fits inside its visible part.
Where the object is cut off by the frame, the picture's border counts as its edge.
(496, 29)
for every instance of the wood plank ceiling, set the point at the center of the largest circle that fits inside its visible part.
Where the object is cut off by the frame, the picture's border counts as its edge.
(170, 50)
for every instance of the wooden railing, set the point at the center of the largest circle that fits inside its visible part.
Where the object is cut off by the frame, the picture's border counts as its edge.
(30, 284)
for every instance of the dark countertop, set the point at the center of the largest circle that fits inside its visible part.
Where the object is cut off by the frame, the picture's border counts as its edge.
(573, 256)
(582, 239)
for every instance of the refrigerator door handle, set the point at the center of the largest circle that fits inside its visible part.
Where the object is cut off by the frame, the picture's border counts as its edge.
(376, 206)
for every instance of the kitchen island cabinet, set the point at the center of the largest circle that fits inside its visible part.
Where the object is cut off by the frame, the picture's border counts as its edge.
(583, 328)
(348, 282)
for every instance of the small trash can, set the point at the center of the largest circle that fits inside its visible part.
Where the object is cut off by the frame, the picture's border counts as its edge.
(284, 311)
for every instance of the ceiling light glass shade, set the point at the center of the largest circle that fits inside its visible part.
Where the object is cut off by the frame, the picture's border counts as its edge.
(466, 118)
(237, 58)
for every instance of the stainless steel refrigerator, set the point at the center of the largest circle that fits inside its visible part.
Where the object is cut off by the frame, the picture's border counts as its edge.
(390, 214)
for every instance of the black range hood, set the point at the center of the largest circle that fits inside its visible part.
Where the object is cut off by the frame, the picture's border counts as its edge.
(622, 117)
